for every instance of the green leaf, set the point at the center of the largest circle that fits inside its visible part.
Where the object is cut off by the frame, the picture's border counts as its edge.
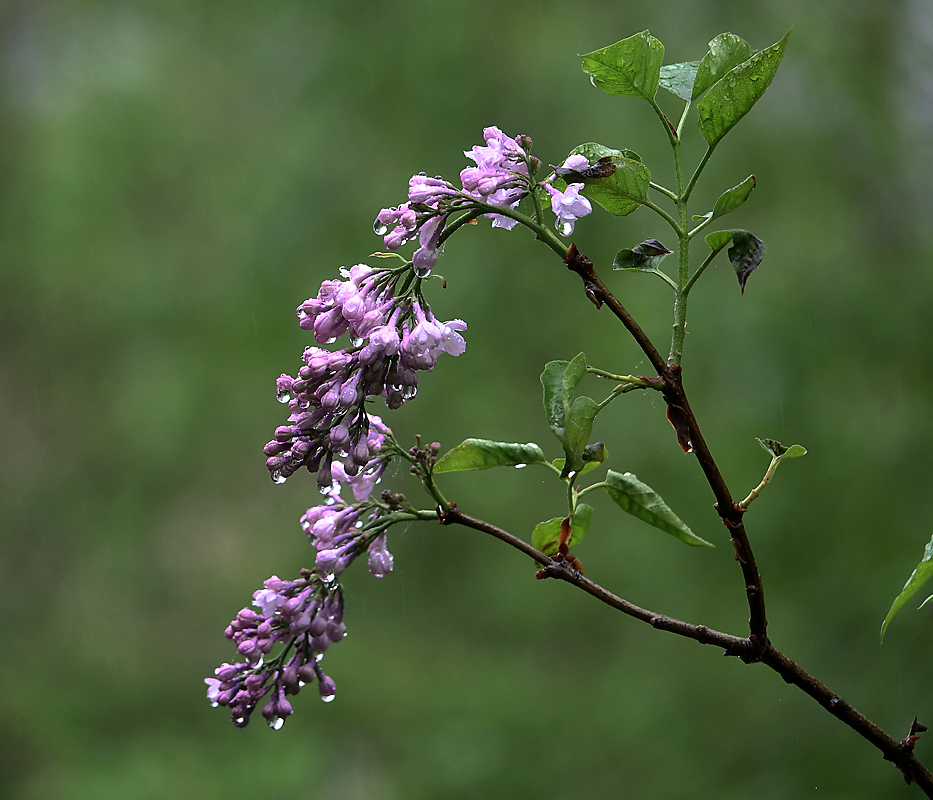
(589, 464)
(725, 52)
(570, 419)
(734, 197)
(643, 257)
(630, 68)
(745, 254)
(621, 191)
(778, 451)
(578, 427)
(546, 534)
(552, 379)
(733, 96)
(917, 578)
(593, 151)
(575, 370)
(718, 240)
(482, 454)
(641, 501)
(679, 78)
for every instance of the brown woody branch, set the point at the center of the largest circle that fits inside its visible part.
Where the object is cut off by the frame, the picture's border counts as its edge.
(757, 648)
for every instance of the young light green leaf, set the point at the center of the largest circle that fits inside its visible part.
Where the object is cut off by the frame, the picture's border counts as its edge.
(734, 197)
(917, 578)
(630, 68)
(644, 257)
(641, 501)
(679, 78)
(482, 454)
(545, 535)
(733, 95)
(718, 240)
(725, 52)
(777, 450)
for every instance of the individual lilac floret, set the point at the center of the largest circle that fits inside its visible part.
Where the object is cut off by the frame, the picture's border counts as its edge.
(568, 206)
(500, 176)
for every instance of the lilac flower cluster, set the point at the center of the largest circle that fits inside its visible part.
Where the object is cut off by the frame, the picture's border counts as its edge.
(391, 338)
(503, 175)
(500, 178)
(305, 615)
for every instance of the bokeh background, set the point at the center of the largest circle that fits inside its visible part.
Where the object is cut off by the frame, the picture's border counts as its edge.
(176, 177)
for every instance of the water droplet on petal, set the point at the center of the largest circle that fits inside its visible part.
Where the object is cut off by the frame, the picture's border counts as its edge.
(283, 396)
(565, 228)
(520, 466)
(278, 477)
(215, 704)
(379, 228)
(276, 723)
(319, 657)
(327, 698)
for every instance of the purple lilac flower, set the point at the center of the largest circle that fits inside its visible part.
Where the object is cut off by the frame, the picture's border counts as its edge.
(568, 206)
(391, 338)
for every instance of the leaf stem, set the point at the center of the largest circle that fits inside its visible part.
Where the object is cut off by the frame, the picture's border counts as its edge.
(663, 190)
(702, 267)
(685, 195)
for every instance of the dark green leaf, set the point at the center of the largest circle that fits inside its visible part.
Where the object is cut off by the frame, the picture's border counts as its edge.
(745, 254)
(679, 78)
(483, 454)
(917, 578)
(641, 501)
(595, 453)
(734, 197)
(545, 535)
(733, 96)
(725, 52)
(630, 68)
(644, 257)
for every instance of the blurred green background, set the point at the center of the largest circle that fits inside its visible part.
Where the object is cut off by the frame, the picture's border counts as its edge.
(176, 177)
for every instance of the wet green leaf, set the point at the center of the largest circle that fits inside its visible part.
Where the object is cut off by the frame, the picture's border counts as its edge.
(482, 454)
(733, 95)
(917, 578)
(641, 501)
(734, 197)
(623, 190)
(726, 51)
(579, 426)
(545, 535)
(630, 68)
(552, 379)
(679, 78)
